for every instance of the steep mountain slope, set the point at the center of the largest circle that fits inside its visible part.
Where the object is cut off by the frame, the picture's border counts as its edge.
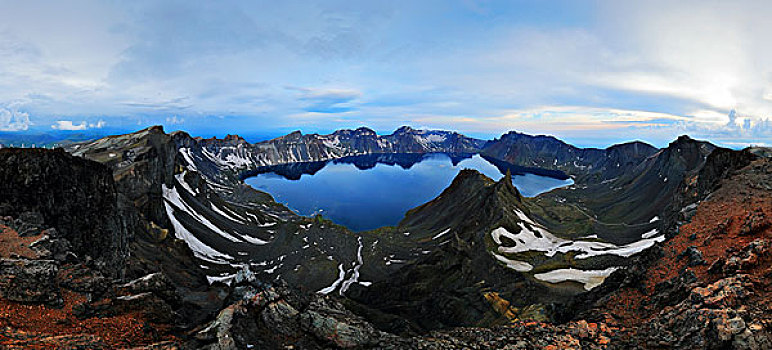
(485, 248)
(623, 208)
(141, 164)
(445, 288)
(586, 165)
(69, 242)
(708, 286)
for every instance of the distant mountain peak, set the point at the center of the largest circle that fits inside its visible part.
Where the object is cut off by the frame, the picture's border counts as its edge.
(155, 128)
(233, 137)
(363, 130)
(683, 138)
(404, 130)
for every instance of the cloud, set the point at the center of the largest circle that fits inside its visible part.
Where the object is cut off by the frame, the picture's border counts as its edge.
(177, 103)
(738, 130)
(98, 125)
(174, 120)
(327, 100)
(13, 120)
(68, 125)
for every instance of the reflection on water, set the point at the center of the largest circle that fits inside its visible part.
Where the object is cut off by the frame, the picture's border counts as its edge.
(368, 192)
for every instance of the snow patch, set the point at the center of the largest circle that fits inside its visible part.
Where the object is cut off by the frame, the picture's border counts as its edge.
(253, 240)
(227, 279)
(334, 285)
(431, 138)
(517, 265)
(267, 224)
(650, 234)
(185, 152)
(590, 278)
(172, 196)
(200, 250)
(181, 179)
(355, 271)
(224, 214)
(441, 234)
(534, 237)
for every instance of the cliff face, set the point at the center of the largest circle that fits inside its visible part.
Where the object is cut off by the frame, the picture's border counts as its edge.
(140, 163)
(76, 196)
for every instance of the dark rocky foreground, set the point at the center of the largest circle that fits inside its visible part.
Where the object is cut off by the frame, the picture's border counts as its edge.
(88, 258)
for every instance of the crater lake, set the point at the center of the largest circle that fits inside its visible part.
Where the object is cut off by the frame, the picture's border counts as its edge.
(371, 191)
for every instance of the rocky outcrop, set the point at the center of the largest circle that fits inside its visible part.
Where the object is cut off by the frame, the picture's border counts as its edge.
(708, 287)
(75, 196)
(267, 316)
(139, 162)
(711, 317)
(29, 281)
(719, 165)
(52, 298)
(142, 165)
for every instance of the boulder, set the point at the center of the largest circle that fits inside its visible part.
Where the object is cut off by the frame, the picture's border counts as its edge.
(29, 281)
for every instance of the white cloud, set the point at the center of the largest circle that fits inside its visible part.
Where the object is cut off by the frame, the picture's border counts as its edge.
(13, 120)
(98, 125)
(68, 125)
(174, 120)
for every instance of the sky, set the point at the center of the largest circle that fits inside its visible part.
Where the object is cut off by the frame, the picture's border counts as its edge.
(592, 73)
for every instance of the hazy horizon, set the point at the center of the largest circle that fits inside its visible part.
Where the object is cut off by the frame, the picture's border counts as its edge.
(16, 138)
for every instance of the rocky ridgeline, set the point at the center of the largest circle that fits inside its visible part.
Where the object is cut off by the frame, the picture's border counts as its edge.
(586, 164)
(233, 157)
(76, 196)
(265, 316)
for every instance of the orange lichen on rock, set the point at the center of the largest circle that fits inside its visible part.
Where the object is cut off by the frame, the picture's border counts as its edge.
(11, 244)
(41, 326)
(29, 324)
(730, 233)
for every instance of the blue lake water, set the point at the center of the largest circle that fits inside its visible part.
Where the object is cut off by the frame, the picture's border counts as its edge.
(364, 193)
